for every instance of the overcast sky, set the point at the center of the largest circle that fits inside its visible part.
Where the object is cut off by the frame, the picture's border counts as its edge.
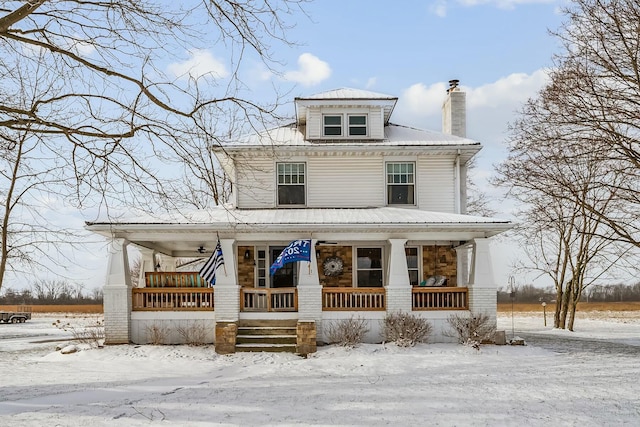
(498, 49)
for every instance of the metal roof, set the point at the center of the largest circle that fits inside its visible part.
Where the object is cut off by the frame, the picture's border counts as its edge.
(345, 97)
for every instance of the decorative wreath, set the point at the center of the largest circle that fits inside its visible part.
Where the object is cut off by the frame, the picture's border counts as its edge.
(332, 266)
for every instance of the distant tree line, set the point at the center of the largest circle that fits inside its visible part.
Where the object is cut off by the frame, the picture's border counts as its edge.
(52, 292)
(594, 293)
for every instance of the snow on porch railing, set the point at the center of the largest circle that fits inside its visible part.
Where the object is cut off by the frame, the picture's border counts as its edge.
(269, 299)
(425, 298)
(172, 299)
(353, 299)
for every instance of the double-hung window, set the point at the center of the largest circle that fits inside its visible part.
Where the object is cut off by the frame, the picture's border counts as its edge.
(291, 183)
(369, 267)
(332, 125)
(357, 125)
(344, 125)
(401, 183)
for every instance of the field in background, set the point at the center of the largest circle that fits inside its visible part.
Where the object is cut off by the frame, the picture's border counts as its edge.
(583, 306)
(60, 308)
(502, 307)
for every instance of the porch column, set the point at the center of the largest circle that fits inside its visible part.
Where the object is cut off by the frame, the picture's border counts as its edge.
(482, 284)
(147, 264)
(310, 292)
(226, 292)
(226, 300)
(117, 295)
(462, 265)
(399, 285)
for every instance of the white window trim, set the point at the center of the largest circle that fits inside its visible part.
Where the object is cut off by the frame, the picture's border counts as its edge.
(415, 182)
(277, 187)
(366, 125)
(324, 126)
(344, 125)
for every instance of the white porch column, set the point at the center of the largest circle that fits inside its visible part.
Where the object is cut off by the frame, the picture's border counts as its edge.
(462, 265)
(399, 285)
(482, 284)
(310, 291)
(117, 295)
(226, 292)
(147, 264)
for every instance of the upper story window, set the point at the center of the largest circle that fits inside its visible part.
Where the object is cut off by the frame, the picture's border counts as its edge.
(332, 125)
(291, 183)
(357, 125)
(341, 125)
(401, 183)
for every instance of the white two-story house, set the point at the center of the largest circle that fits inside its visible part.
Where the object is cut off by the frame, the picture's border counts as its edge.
(384, 206)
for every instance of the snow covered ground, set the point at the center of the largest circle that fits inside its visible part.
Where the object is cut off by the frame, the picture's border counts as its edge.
(587, 378)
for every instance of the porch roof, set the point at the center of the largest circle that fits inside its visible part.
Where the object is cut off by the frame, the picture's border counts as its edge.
(226, 219)
(180, 234)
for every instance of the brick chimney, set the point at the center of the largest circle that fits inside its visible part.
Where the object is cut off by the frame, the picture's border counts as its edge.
(454, 111)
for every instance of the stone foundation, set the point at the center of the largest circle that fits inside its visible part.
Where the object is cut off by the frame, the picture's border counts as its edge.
(306, 338)
(226, 333)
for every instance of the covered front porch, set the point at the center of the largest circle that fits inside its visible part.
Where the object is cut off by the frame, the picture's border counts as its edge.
(364, 262)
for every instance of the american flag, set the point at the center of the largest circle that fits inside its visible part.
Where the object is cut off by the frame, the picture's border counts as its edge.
(208, 271)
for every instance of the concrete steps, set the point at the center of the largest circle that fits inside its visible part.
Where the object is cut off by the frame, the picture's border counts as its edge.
(266, 335)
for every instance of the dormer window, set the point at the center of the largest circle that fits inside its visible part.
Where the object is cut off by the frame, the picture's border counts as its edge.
(345, 125)
(333, 125)
(357, 125)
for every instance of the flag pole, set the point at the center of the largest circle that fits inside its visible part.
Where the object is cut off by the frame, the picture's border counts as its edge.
(224, 266)
(310, 242)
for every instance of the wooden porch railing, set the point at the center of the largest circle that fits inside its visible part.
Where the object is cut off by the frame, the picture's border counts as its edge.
(353, 299)
(172, 299)
(174, 279)
(440, 298)
(269, 299)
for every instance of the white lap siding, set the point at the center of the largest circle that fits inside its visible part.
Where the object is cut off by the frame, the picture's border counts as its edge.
(345, 182)
(436, 183)
(255, 184)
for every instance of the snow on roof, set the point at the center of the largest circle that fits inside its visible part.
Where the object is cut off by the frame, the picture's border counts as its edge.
(383, 216)
(345, 97)
(348, 93)
(394, 135)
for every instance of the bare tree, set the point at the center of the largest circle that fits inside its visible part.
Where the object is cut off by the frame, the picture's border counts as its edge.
(596, 93)
(574, 153)
(100, 88)
(559, 183)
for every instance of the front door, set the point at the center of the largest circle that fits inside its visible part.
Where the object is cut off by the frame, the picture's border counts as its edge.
(287, 275)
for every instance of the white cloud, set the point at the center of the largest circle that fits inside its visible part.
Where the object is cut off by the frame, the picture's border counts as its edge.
(420, 105)
(508, 91)
(439, 7)
(490, 109)
(311, 70)
(201, 62)
(502, 4)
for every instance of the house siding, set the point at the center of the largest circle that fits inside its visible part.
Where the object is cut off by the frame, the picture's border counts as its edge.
(330, 182)
(255, 186)
(436, 184)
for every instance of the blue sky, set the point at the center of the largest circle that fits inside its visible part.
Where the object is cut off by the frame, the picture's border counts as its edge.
(498, 49)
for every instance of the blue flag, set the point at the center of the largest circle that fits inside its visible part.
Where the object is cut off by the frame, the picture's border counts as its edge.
(298, 250)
